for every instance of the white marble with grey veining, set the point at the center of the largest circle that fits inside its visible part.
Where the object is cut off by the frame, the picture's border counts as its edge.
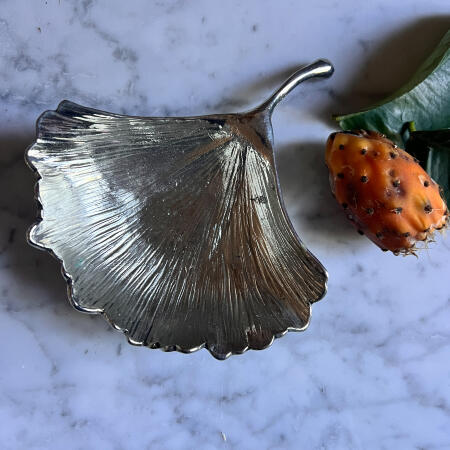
(373, 369)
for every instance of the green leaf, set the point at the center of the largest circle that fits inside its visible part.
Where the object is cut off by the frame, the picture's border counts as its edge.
(432, 148)
(425, 100)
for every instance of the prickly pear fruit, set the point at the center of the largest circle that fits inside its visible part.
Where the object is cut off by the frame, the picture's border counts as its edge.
(384, 191)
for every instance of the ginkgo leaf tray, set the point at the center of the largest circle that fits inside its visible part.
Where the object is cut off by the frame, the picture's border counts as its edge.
(174, 228)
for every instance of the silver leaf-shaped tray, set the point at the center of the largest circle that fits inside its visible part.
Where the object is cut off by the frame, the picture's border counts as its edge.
(173, 228)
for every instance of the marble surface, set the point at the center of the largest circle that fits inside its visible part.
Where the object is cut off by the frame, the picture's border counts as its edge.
(372, 370)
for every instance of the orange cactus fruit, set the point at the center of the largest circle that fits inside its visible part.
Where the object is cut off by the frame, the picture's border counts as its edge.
(384, 191)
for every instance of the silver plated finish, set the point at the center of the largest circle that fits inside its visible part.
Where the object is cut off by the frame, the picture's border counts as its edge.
(173, 228)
